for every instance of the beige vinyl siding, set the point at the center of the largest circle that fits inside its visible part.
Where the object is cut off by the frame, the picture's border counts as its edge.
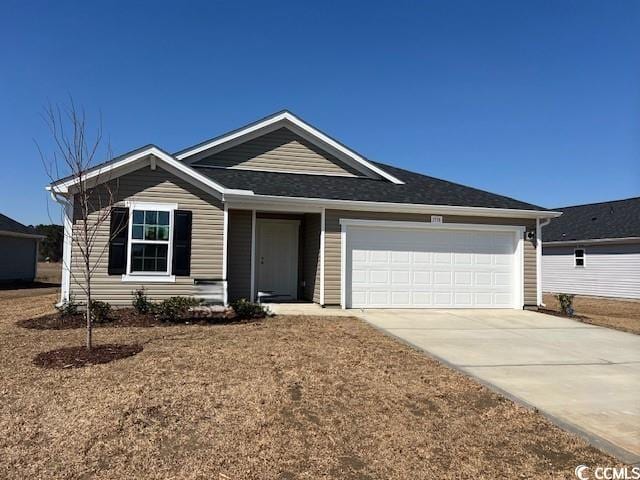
(333, 245)
(239, 254)
(311, 257)
(281, 150)
(157, 186)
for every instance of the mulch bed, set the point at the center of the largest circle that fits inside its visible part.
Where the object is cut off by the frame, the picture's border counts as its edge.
(77, 357)
(123, 317)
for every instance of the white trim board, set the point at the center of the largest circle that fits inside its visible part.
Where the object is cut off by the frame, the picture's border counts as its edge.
(33, 236)
(516, 230)
(595, 241)
(225, 248)
(322, 241)
(273, 202)
(296, 125)
(429, 226)
(253, 256)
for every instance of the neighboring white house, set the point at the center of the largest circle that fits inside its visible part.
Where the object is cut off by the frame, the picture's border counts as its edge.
(594, 250)
(18, 251)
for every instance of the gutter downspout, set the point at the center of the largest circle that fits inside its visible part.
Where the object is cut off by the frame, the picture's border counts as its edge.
(67, 205)
(539, 226)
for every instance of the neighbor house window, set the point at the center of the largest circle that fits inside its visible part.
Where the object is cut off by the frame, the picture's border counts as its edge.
(578, 257)
(150, 239)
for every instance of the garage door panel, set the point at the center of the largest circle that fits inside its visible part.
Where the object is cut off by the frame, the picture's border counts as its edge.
(401, 277)
(484, 299)
(379, 276)
(483, 279)
(463, 279)
(442, 278)
(430, 268)
(463, 299)
(421, 278)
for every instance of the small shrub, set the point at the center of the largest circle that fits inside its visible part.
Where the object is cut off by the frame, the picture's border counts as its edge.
(100, 311)
(566, 303)
(245, 309)
(69, 308)
(141, 302)
(175, 308)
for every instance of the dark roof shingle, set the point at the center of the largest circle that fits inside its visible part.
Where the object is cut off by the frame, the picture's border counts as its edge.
(10, 225)
(614, 219)
(418, 189)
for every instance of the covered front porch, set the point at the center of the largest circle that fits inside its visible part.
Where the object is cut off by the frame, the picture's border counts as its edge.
(273, 256)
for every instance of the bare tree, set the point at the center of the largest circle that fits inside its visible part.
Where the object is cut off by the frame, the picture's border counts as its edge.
(73, 155)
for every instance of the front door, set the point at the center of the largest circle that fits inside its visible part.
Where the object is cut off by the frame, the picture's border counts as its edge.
(277, 256)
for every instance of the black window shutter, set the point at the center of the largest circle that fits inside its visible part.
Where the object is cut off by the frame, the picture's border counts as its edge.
(181, 264)
(118, 232)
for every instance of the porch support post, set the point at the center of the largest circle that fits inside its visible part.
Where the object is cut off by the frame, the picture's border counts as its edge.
(225, 237)
(253, 255)
(538, 263)
(322, 222)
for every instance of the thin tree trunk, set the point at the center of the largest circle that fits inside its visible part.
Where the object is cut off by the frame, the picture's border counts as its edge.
(88, 309)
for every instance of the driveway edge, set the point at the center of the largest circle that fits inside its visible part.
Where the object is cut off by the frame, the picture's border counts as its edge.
(595, 440)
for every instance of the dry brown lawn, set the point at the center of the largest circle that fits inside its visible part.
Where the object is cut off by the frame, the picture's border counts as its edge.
(287, 397)
(619, 314)
(49, 272)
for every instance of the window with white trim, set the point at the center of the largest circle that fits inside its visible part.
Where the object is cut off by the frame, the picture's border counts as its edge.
(150, 235)
(578, 257)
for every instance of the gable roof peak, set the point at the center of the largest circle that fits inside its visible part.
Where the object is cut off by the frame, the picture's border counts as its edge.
(285, 118)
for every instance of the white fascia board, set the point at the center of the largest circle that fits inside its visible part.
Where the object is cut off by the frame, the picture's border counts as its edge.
(595, 241)
(131, 162)
(272, 202)
(352, 222)
(288, 119)
(7, 233)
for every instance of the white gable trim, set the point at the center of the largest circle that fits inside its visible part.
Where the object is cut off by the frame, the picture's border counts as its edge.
(139, 159)
(296, 125)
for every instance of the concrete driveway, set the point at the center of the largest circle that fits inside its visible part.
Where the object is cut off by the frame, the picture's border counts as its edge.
(584, 378)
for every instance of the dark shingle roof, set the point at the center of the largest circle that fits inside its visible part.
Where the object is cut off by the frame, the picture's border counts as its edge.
(615, 219)
(418, 189)
(10, 225)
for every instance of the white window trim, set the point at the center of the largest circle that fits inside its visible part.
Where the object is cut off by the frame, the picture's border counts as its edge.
(584, 257)
(150, 277)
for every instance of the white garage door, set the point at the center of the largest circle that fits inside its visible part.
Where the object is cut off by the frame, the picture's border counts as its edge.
(418, 268)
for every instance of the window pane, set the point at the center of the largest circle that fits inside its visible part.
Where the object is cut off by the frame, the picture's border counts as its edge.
(149, 233)
(150, 217)
(163, 233)
(162, 265)
(148, 258)
(163, 218)
(136, 232)
(579, 253)
(136, 264)
(579, 262)
(138, 216)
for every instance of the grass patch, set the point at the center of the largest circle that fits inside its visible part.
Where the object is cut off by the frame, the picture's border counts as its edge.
(606, 312)
(286, 397)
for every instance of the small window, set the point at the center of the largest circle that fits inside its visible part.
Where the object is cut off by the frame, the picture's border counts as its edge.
(150, 238)
(578, 257)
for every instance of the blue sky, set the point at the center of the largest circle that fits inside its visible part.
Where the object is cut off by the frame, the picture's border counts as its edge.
(537, 100)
